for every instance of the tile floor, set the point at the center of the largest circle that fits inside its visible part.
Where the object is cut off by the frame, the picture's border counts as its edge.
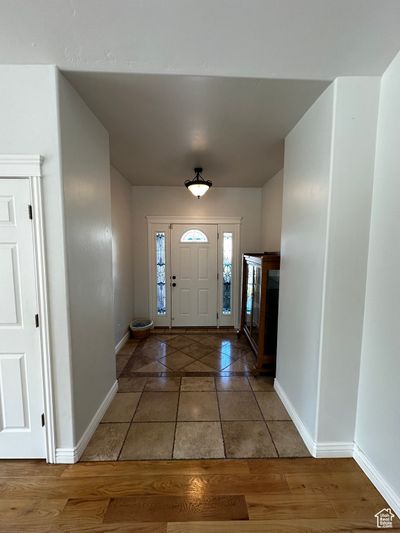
(180, 397)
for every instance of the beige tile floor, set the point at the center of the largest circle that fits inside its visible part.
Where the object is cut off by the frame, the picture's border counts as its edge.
(180, 413)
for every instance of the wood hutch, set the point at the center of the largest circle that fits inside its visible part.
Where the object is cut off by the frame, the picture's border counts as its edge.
(259, 314)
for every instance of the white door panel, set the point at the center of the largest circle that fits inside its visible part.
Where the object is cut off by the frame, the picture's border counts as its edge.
(21, 393)
(194, 264)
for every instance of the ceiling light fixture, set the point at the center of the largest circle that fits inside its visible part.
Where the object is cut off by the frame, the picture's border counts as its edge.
(198, 186)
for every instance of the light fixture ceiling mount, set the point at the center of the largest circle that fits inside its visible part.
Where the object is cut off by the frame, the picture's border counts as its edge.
(198, 186)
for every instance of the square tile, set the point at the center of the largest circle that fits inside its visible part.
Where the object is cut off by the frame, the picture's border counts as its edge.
(198, 384)
(287, 439)
(217, 360)
(197, 350)
(239, 366)
(271, 406)
(261, 383)
(121, 362)
(155, 351)
(198, 406)
(177, 360)
(198, 366)
(238, 406)
(136, 362)
(167, 384)
(245, 439)
(198, 440)
(149, 441)
(122, 408)
(127, 349)
(234, 383)
(179, 342)
(106, 443)
(131, 384)
(154, 366)
(157, 407)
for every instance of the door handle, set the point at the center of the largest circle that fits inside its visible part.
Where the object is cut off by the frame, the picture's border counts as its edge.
(173, 277)
(174, 284)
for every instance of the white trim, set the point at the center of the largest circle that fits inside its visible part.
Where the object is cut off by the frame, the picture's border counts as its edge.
(121, 343)
(317, 449)
(151, 219)
(301, 428)
(164, 223)
(72, 455)
(370, 470)
(28, 166)
(20, 166)
(44, 324)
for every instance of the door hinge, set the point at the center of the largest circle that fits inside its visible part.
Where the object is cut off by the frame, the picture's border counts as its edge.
(217, 235)
(170, 226)
(30, 212)
(217, 316)
(217, 275)
(43, 420)
(37, 321)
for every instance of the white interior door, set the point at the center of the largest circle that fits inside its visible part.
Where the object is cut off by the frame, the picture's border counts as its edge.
(21, 392)
(194, 275)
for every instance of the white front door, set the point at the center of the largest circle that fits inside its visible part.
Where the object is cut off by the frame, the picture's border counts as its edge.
(21, 392)
(194, 275)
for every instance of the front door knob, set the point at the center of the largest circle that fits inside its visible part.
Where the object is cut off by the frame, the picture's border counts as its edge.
(174, 284)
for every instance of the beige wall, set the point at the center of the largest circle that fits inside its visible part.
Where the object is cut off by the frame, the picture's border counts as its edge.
(271, 213)
(87, 211)
(219, 201)
(122, 246)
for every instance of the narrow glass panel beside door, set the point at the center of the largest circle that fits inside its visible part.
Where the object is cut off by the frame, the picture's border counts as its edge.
(227, 274)
(161, 274)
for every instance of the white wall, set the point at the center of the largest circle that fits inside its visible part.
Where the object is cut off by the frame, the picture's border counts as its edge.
(87, 208)
(352, 171)
(329, 166)
(122, 252)
(304, 226)
(271, 213)
(378, 414)
(29, 124)
(219, 201)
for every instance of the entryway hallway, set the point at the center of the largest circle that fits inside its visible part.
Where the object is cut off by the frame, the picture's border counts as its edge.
(191, 396)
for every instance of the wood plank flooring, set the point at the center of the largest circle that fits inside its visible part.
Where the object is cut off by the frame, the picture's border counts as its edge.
(207, 496)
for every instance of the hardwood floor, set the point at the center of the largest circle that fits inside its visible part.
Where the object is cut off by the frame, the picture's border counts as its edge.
(207, 496)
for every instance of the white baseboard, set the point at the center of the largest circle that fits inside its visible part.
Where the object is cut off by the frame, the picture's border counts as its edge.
(121, 342)
(316, 449)
(341, 449)
(377, 479)
(72, 455)
(334, 449)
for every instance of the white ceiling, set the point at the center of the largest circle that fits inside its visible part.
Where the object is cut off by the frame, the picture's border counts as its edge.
(161, 127)
(297, 39)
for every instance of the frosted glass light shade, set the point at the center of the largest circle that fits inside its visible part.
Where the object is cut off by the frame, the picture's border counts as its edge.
(198, 189)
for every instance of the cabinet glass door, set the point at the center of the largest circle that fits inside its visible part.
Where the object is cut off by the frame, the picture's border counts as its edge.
(249, 295)
(255, 318)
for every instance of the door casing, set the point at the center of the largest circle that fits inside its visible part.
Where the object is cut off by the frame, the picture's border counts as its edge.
(28, 167)
(224, 224)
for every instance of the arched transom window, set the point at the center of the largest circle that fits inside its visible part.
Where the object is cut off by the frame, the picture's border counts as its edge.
(194, 235)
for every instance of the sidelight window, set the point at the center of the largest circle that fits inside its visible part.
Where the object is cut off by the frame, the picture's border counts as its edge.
(227, 273)
(161, 273)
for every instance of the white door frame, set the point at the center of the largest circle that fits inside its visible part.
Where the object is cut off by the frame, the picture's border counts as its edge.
(163, 223)
(29, 167)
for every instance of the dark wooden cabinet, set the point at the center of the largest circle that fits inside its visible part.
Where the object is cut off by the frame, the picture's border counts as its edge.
(259, 315)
